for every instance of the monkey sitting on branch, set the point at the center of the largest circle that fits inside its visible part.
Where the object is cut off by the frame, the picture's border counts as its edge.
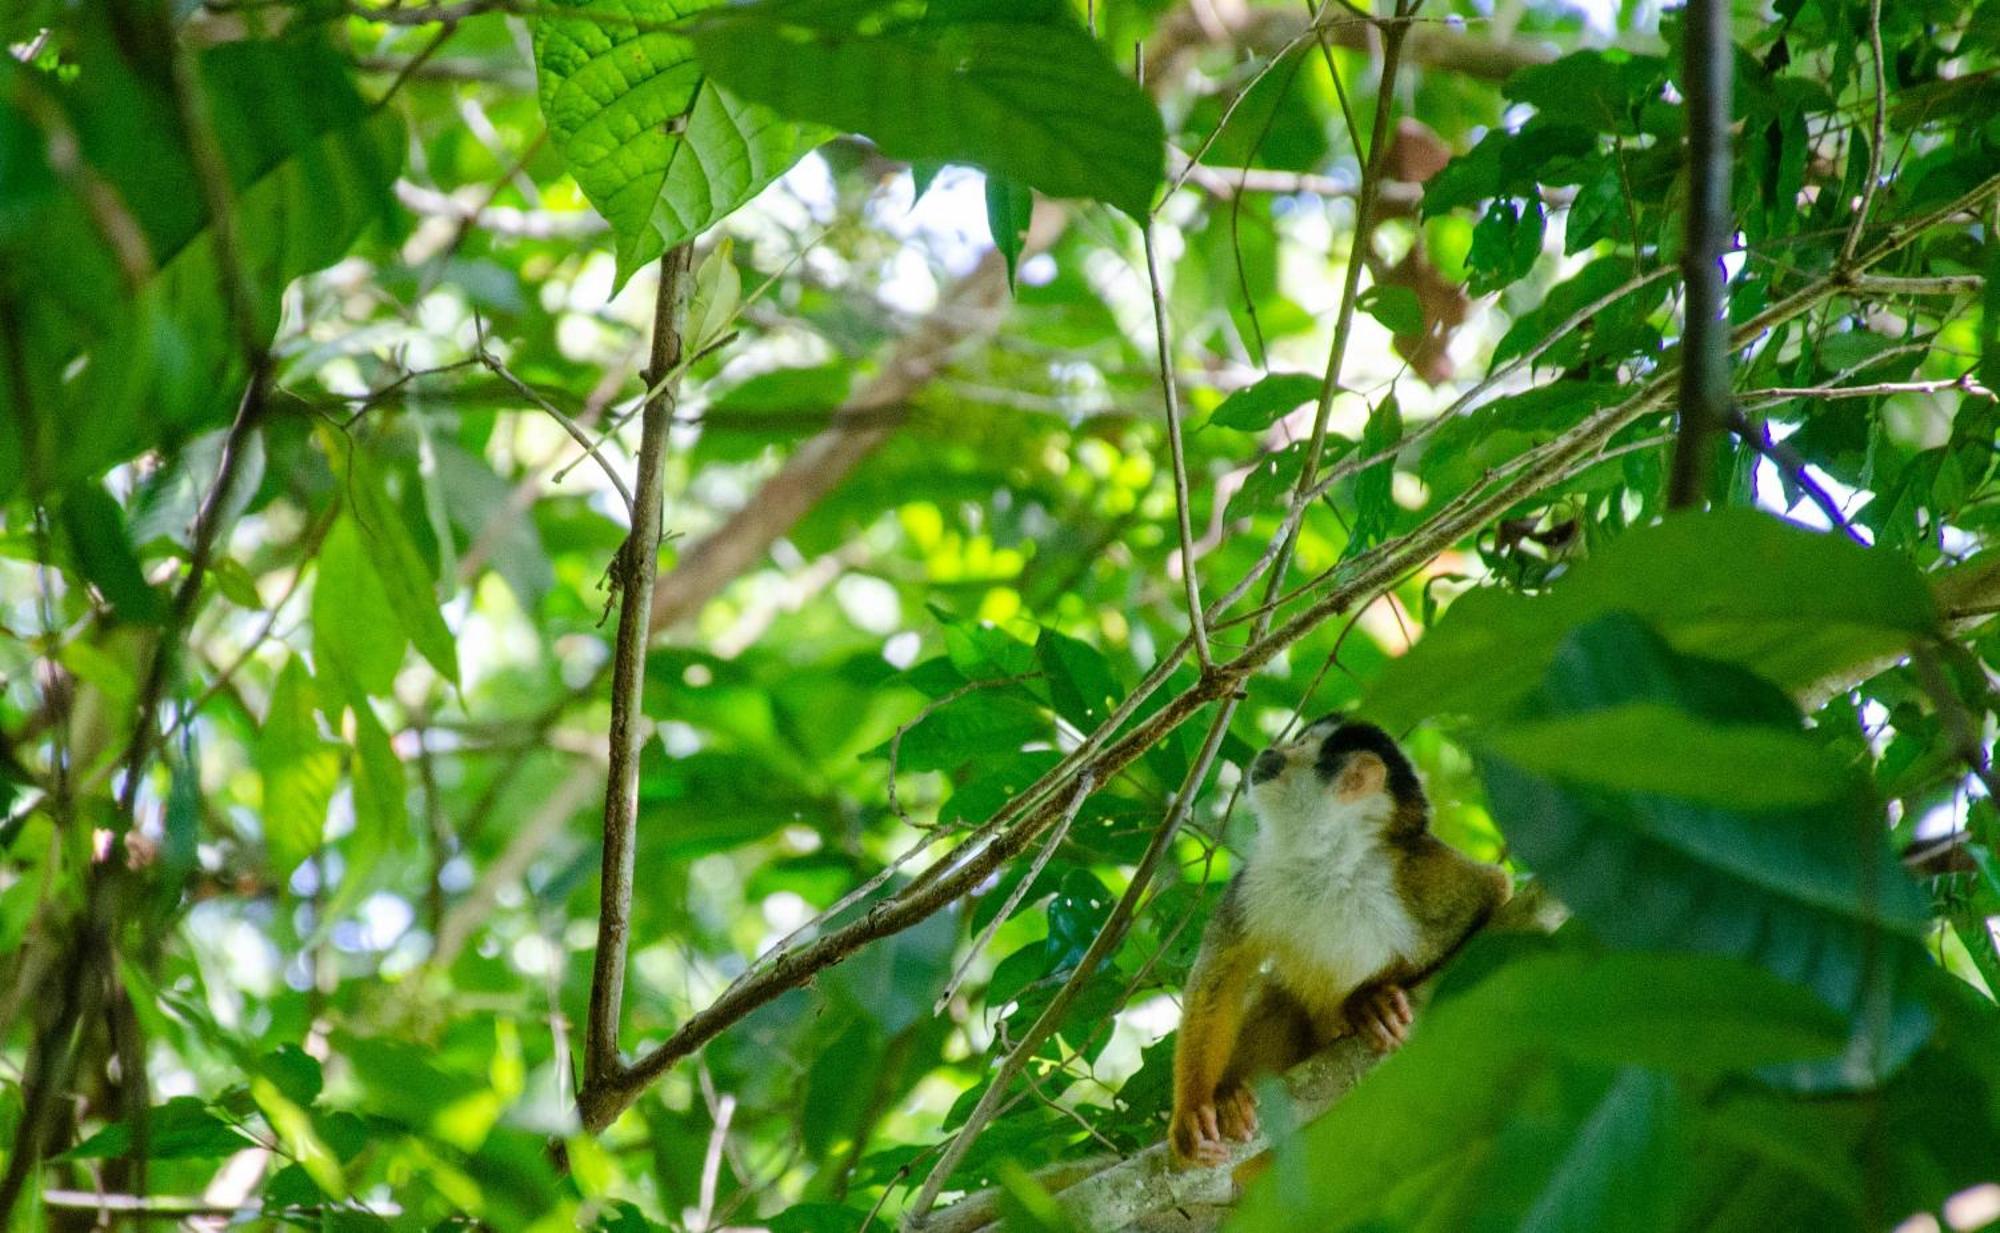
(1347, 900)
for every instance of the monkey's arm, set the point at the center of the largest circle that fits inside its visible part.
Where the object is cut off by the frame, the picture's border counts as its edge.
(1449, 896)
(1211, 1016)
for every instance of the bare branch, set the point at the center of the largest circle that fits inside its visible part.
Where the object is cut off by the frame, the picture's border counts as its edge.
(1936, 284)
(1170, 389)
(636, 569)
(1708, 63)
(1775, 394)
(1879, 137)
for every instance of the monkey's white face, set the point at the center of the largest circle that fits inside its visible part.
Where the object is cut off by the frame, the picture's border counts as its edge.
(1295, 792)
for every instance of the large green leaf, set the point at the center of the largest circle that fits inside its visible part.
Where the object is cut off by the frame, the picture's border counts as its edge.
(1651, 747)
(1020, 90)
(662, 151)
(1814, 894)
(1737, 586)
(310, 164)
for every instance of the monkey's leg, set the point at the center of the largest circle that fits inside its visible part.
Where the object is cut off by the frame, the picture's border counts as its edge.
(1211, 1014)
(1276, 1035)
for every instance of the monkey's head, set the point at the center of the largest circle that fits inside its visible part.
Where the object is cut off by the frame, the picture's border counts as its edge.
(1338, 770)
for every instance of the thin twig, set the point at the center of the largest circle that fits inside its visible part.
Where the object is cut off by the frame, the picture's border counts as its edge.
(1933, 284)
(1794, 467)
(569, 425)
(1881, 137)
(1014, 897)
(1771, 394)
(1955, 717)
(1170, 388)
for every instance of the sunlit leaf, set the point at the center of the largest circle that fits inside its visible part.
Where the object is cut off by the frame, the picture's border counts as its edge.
(662, 151)
(1020, 91)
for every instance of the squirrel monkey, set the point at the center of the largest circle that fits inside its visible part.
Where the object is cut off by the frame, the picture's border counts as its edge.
(1346, 899)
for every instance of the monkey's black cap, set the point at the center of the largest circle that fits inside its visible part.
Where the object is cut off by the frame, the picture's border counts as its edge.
(1351, 736)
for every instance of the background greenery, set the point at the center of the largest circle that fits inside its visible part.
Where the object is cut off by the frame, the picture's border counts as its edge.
(306, 603)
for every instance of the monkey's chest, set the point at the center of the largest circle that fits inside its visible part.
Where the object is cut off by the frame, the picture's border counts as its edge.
(1328, 932)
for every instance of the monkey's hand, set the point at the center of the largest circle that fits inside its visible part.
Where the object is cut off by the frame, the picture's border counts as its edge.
(1199, 1132)
(1382, 1015)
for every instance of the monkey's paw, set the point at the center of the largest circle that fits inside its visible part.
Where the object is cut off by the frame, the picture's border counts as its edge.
(1383, 1015)
(1236, 1113)
(1198, 1134)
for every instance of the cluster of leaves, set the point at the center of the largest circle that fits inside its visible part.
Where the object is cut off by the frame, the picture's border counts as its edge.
(332, 936)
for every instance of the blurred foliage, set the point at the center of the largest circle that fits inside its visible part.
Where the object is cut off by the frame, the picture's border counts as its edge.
(318, 952)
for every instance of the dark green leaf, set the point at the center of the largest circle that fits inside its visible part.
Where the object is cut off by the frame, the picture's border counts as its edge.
(1397, 308)
(180, 1129)
(1650, 862)
(96, 528)
(299, 769)
(1739, 586)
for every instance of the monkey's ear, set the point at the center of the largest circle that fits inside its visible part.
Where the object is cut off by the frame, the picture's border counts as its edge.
(1364, 774)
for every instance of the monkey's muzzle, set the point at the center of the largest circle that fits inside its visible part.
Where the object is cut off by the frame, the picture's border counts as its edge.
(1267, 765)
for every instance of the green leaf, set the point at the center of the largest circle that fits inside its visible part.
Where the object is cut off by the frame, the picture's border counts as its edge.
(357, 639)
(408, 581)
(301, 1141)
(381, 809)
(1651, 747)
(1505, 244)
(1604, 89)
(1739, 586)
(1080, 680)
(817, 1218)
(180, 1129)
(718, 290)
(1009, 208)
(985, 721)
(158, 360)
(1076, 913)
(296, 1073)
(1788, 888)
(300, 771)
(1397, 308)
(96, 529)
(661, 150)
(1256, 407)
(1021, 92)
(1374, 489)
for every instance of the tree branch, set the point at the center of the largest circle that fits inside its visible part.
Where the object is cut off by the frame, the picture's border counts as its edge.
(636, 569)
(1708, 61)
